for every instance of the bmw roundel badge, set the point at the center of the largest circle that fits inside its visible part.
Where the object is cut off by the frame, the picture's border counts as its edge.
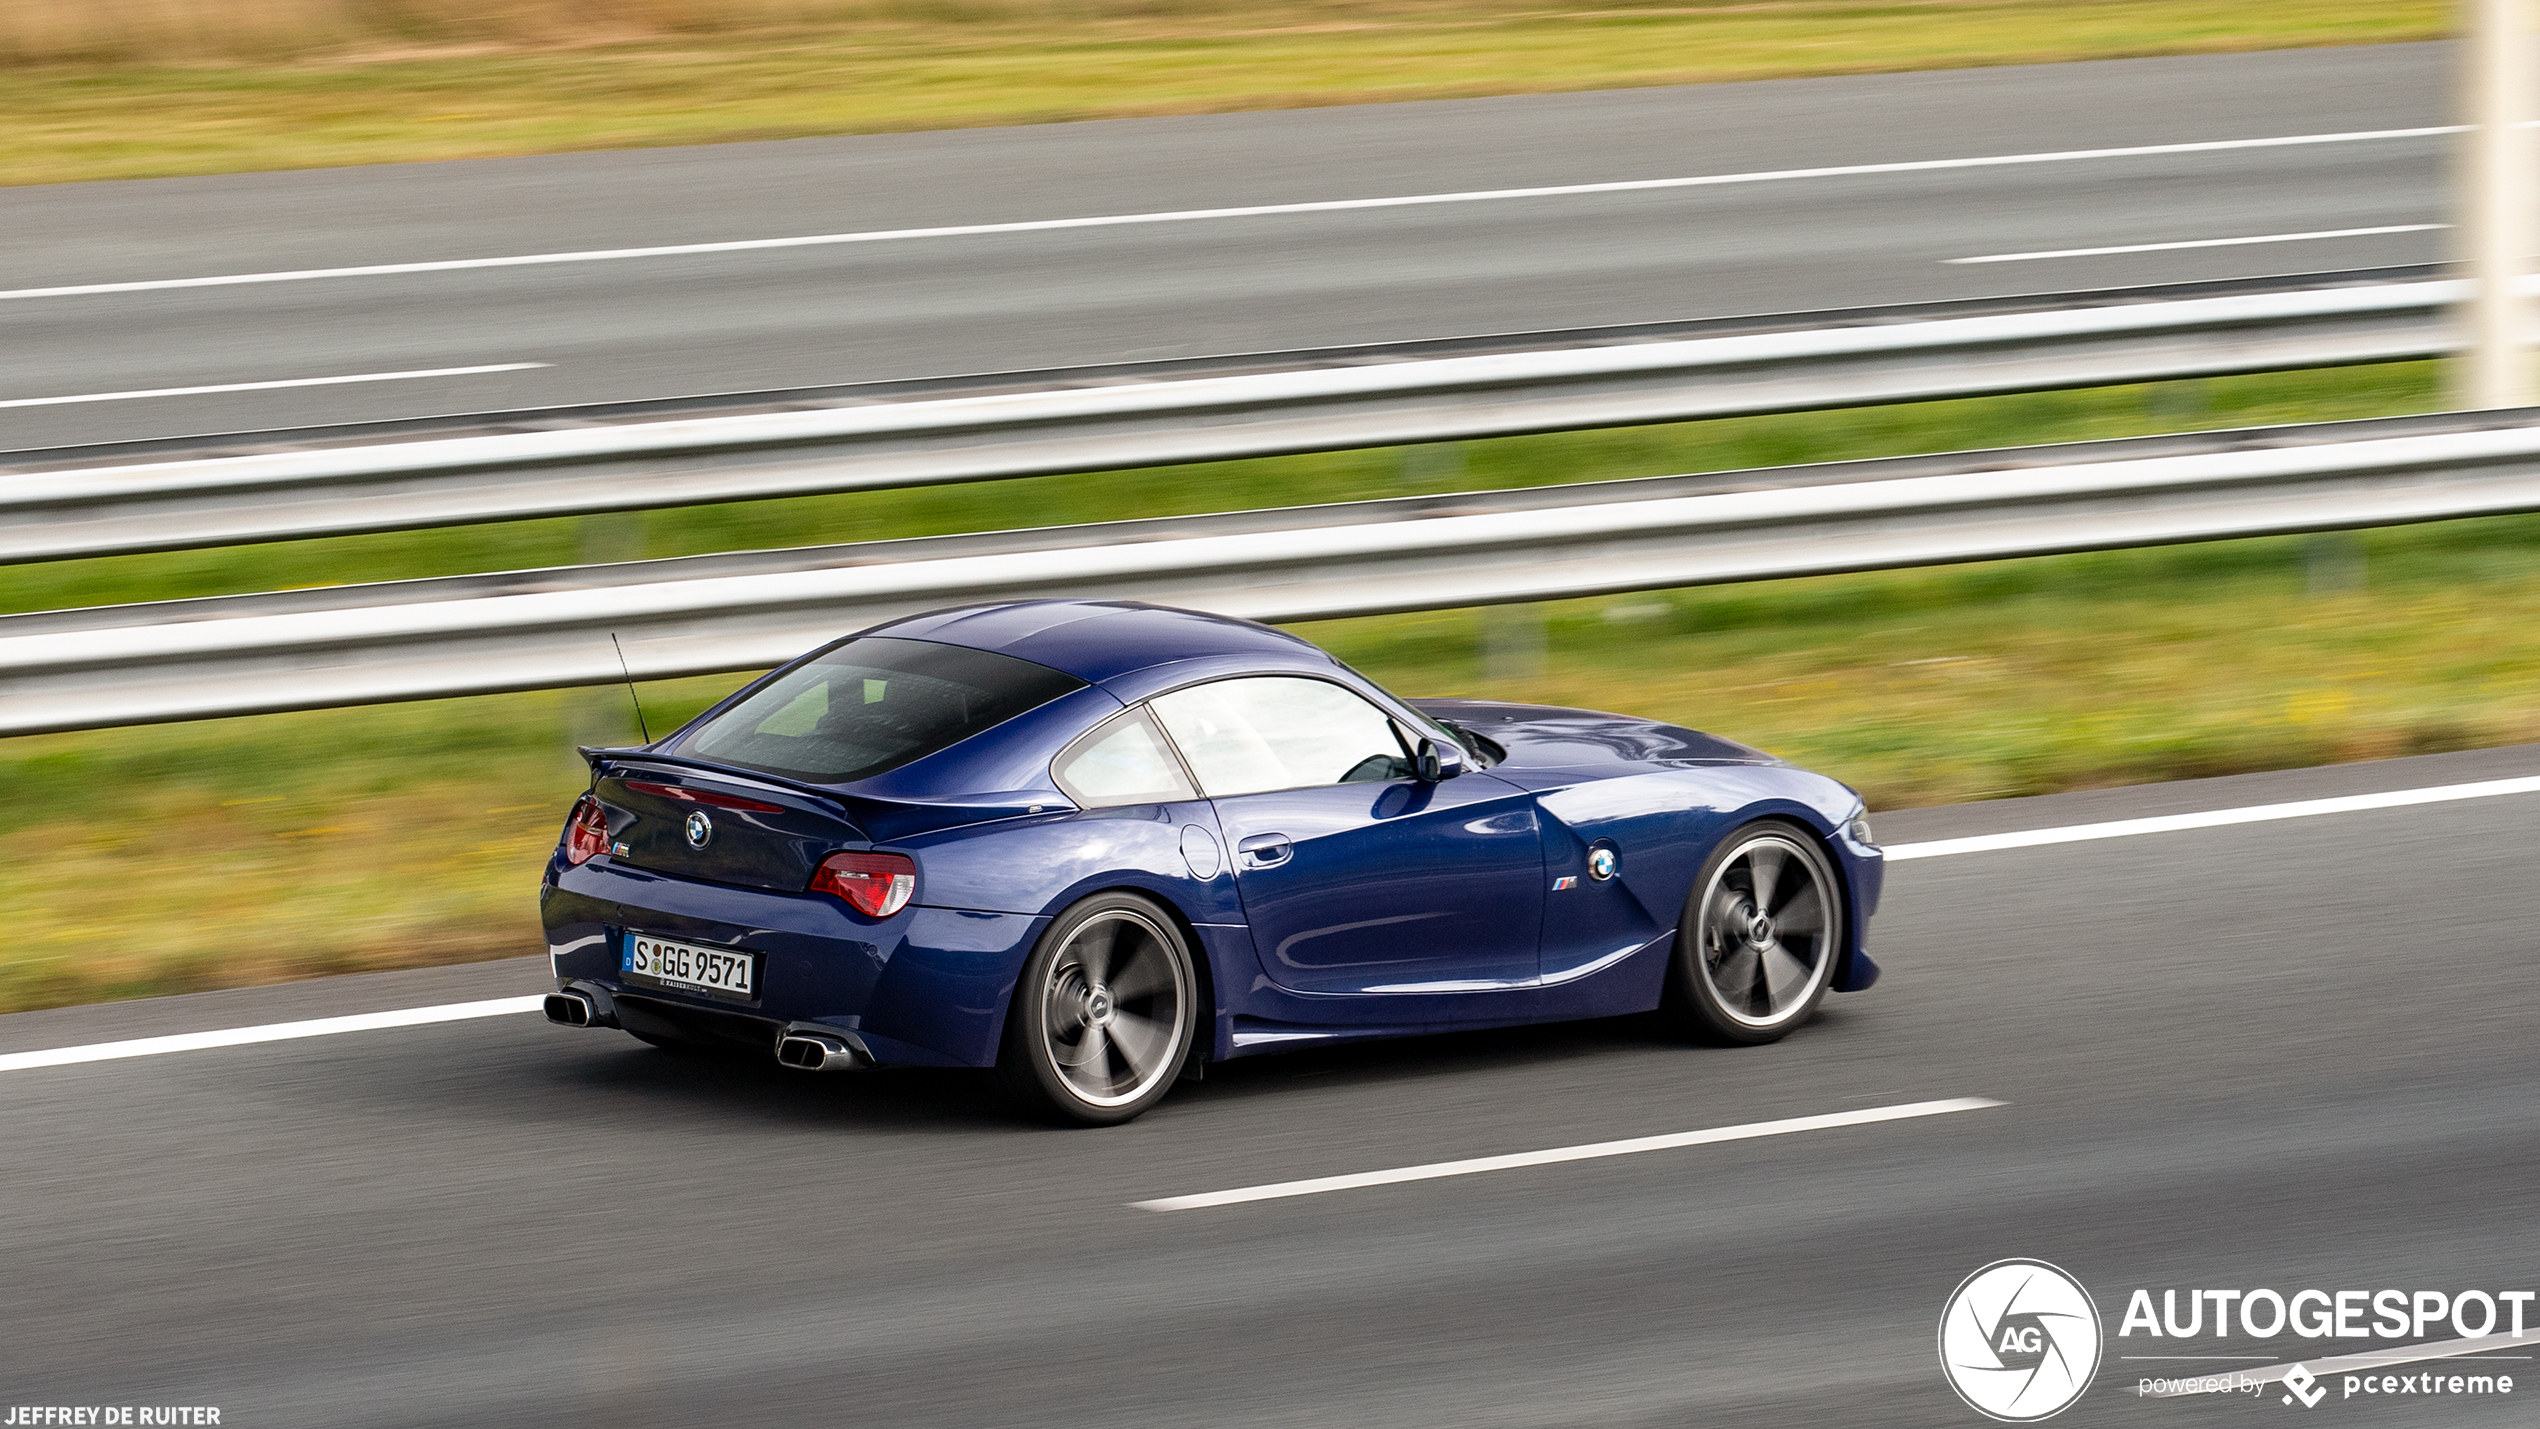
(700, 829)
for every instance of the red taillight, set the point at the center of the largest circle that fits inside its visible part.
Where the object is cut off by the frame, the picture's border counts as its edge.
(586, 836)
(874, 884)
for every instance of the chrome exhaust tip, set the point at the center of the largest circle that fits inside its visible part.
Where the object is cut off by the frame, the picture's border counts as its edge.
(572, 1009)
(822, 1051)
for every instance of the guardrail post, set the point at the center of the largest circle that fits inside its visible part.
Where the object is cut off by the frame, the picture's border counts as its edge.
(2179, 400)
(2333, 562)
(1514, 646)
(1433, 466)
(2496, 218)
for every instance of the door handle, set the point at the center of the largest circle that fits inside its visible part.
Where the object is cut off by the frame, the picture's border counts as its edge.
(1264, 851)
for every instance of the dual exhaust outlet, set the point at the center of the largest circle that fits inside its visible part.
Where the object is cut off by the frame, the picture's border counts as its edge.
(575, 1008)
(804, 1046)
(808, 1049)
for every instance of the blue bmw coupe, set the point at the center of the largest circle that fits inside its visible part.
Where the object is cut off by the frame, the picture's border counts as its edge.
(1098, 845)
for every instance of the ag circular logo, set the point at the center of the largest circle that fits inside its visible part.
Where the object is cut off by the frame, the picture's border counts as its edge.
(2019, 1340)
(700, 829)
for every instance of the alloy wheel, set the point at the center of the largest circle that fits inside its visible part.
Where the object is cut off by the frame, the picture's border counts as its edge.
(1113, 1008)
(1767, 931)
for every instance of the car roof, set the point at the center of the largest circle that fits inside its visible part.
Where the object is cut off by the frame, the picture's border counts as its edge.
(1099, 641)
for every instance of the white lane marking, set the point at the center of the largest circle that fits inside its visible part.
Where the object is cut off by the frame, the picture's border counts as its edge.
(270, 1032)
(1480, 1164)
(1194, 215)
(2365, 1362)
(269, 386)
(2218, 818)
(2201, 243)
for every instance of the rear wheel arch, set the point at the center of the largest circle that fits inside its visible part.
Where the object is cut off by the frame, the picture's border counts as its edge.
(1081, 1041)
(1204, 970)
(1173, 909)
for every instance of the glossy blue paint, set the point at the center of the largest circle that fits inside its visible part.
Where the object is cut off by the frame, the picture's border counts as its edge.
(758, 835)
(933, 981)
(1040, 864)
(1394, 887)
(1100, 641)
(1342, 911)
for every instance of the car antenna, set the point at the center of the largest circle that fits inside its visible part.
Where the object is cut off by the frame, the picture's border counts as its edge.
(630, 687)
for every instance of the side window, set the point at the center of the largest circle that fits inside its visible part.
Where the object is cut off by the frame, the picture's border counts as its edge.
(1121, 762)
(1280, 732)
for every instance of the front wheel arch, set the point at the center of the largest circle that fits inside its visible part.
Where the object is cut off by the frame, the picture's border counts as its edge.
(1826, 832)
(1723, 936)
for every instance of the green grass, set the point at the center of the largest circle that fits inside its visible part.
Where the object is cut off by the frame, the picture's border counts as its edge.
(239, 851)
(342, 94)
(2029, 677)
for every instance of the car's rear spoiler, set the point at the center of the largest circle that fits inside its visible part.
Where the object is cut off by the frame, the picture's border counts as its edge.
(880, 820)
(599, 754)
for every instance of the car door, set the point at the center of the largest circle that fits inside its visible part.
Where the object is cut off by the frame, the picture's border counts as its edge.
(1355, 876)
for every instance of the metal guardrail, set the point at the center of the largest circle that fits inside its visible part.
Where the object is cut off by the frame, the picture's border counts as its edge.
(926, 439)
(528, 630)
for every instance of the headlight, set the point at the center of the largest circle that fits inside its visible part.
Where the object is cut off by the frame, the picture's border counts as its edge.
(1859, 832)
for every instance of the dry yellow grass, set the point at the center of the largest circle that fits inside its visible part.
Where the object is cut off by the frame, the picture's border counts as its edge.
(127, 89)
(54, 30)
(126, 30)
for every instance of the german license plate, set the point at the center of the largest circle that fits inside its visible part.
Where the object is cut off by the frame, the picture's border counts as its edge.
(716, 970)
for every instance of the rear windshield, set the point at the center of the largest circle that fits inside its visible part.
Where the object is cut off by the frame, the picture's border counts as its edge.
(872, 705)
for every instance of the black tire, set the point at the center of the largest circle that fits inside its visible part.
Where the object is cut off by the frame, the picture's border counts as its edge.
(1104, 1013)
(1748, 980)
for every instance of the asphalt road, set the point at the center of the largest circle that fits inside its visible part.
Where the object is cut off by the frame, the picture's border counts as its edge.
(2293, 1055)
(768, 318)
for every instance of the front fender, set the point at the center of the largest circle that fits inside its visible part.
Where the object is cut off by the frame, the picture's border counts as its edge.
(1665, 823)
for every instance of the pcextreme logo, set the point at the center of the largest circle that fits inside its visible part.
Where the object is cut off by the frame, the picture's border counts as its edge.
(2019, 1341)
(2303, 1385)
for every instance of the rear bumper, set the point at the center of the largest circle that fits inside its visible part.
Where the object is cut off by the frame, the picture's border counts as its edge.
(926, 986)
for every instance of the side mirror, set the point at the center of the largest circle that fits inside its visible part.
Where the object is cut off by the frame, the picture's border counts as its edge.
(1438, 761)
